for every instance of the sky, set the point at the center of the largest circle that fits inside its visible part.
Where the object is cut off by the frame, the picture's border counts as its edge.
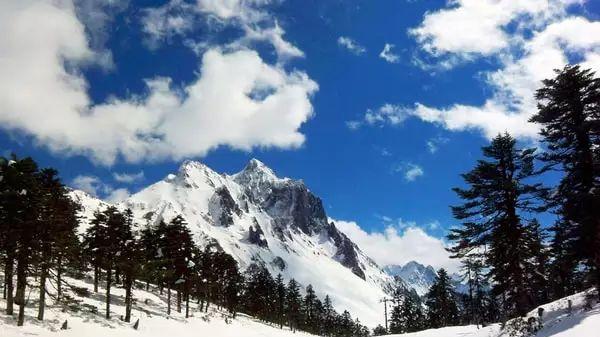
(377, 105)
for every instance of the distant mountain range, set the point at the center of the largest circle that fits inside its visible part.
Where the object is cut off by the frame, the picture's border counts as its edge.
(420, 277)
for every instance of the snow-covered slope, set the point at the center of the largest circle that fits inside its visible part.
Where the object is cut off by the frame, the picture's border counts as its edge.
(149, 308)
(557, 321)
(258, 217)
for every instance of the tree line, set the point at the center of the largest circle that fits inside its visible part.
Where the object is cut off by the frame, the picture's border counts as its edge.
(39, 243)
(510, 262)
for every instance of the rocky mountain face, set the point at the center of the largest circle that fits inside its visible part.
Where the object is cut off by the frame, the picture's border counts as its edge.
(420, 277)
(260, 218)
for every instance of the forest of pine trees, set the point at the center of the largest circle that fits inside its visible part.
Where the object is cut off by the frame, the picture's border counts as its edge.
(502, 244)
(39, 245)
(511, 262)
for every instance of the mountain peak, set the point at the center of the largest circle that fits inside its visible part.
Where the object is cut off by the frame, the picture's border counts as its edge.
(256, 170)
(194, 173)
(257, 165)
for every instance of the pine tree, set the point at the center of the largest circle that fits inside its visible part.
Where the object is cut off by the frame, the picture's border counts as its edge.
(310, 300)
(565, 279)
(22, 176)
(129, 261)
(280, 293)
(570, 119)
(395, 322)
(328, 316)
(293, 304)
(536, 263)
(176, 247)
(57, 232)
(497, 197)
(441, 302)
(93, 244)
(411, 315)
(473, 273)
(118, 233)
(379, 331)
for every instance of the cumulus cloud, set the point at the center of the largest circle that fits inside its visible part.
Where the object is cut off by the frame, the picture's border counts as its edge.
(128, 178)
(96, 188)
(388, 55)
(541, 37)
(117, 195)
(89, 184)
(351, 45)
(178, 17)
(237, 100)
(399, 244)
(469, 27)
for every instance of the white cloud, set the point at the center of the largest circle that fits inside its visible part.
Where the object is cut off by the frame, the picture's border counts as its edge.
(398, 245)
(388, 55)
(387, 114)
(233, 9)
(96, 188)
(410, 171)
(128, 178)
(42, 45)
(433, 144)
(470, 27)
(178, 17)
(117, 195)
(89, 184)
(545, 38)
(353, 125)
(351, 45)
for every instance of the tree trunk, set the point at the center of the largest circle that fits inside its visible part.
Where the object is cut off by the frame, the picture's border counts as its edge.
(128, 300)
(42, 304)
(108, 280)
(187, 304)
(8, 280)
(58, 278)
(207, 297)
(179, 300)
(21, 284)
(96, 278)
(168, 300)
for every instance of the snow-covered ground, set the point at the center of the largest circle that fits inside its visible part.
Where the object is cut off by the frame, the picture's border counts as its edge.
(557, 322)
(150, 309)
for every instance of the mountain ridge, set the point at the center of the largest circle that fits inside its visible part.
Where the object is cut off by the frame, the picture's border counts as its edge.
(260, 218)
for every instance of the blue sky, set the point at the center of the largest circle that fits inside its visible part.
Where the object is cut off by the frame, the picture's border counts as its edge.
(381, 140)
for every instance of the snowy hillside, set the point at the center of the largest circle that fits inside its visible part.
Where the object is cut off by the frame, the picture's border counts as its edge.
(150, 309)
(258, 217)
(557, 321)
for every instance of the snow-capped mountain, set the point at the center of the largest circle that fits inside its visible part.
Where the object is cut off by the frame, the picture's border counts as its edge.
(258, 217)
(418, 276)
(421, 277)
